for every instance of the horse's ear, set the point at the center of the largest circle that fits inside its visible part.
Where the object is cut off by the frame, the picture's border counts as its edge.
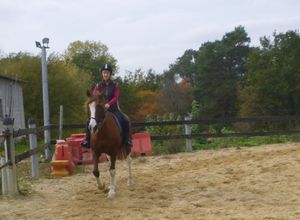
(88, 93)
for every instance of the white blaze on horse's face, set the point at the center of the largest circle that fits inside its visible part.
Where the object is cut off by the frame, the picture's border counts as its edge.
(93, 122)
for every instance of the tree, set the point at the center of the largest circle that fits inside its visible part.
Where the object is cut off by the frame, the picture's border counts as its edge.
(220, 67)
(67, 84)
(184, 66)
(89, 56)
(67, 87)
(273, 77)
(175, 97)
(149, 104)
(137, 92)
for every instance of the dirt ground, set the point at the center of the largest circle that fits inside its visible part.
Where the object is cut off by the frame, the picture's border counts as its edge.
(248, 183)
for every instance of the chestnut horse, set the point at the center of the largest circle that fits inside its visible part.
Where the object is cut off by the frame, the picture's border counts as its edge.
(105, 138)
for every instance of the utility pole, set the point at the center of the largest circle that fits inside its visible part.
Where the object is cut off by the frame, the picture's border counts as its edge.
(47, 134)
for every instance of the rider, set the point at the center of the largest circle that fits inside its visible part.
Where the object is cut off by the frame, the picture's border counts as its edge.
(111, 93)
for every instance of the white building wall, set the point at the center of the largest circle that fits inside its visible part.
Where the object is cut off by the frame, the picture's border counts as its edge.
(11, 96)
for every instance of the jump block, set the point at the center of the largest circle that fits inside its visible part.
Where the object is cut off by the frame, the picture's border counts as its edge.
(141, 144)
(63, 152)
(59, 168)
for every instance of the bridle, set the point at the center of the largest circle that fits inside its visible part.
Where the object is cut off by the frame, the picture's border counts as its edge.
(98, 123)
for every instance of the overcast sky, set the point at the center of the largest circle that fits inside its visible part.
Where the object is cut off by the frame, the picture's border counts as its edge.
(139, 33)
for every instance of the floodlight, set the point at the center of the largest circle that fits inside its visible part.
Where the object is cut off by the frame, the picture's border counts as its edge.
(38, 44)
(45, 40)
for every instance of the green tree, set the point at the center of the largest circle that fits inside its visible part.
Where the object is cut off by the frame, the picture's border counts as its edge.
(273, 77)
(131, 88)
(67, 87)
(184, 66)
(220, 67)
(89, 56)
(175, 97)
(67, 84)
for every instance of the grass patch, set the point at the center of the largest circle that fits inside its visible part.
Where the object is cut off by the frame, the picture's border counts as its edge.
(217, 143)
(176, 146)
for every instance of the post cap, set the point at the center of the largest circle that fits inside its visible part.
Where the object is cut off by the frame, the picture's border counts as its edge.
(31, 121)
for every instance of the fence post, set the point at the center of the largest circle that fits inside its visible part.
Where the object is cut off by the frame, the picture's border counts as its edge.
(4, 177)
(10, 156)
(188, 131)
(33, 145)
(61, 114)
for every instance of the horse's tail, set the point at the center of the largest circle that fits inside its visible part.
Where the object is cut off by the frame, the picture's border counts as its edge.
(123, 152)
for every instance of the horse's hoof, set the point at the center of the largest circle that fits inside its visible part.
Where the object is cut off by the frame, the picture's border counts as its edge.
(130, 183)
(101, 187)
(111, 194)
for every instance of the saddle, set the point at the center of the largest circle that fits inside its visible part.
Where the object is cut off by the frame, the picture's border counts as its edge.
(118, 119)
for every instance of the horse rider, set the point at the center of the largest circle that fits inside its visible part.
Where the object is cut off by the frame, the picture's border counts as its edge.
(110, 90)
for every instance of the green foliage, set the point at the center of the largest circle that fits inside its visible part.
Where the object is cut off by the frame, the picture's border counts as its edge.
(146, 80)
(195, 114)
(184, 66)
(67, 85)
(89, 56)
(215, 71)
(175, 97)
(170, 146)
(130, 87)
(218, 143)
(220, 68)
(128, 100)
(273, 77)
(196, 128)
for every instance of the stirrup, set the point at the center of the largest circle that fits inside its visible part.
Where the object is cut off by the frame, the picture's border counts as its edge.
(128, 143)
(85, 144)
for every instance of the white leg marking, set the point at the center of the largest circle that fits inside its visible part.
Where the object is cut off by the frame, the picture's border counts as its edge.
(93, 122)
(100, 183)
(130, 182)
(112, 186)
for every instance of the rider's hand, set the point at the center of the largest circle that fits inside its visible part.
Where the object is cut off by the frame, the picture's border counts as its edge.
(106, 106)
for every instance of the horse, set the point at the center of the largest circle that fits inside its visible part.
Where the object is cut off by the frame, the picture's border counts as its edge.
(105, 138)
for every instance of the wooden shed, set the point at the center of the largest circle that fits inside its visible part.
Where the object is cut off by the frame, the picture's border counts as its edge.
(11, 101)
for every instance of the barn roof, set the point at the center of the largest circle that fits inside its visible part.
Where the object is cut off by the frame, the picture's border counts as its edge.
(10, 78)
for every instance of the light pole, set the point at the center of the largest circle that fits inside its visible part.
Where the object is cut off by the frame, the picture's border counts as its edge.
(47, 135)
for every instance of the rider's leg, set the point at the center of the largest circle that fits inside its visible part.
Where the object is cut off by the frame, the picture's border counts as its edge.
(86, 143)
(126, 130)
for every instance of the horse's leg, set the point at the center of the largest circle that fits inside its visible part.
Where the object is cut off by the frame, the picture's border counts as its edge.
(112, 172)
(109, 161)
(96, 171)
(130, 182)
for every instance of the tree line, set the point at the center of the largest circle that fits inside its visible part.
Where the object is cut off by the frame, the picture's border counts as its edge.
(223, 78)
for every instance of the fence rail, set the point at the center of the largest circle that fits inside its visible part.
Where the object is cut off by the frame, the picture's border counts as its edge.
(201, 121)
(267, 119)
(233, 134)
(29, 153)
(10, 134)
(27, 131)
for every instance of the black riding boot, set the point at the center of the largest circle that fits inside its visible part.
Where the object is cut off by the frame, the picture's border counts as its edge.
(127, 134)
(126, 127)
(86, 143)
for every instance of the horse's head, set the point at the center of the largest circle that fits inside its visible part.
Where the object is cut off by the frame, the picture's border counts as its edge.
(95, 107)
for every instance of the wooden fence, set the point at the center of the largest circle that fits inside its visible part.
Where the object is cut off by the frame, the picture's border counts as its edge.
(8, 163)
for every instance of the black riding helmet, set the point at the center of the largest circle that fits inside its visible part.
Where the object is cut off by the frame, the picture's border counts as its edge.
(106, 67)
